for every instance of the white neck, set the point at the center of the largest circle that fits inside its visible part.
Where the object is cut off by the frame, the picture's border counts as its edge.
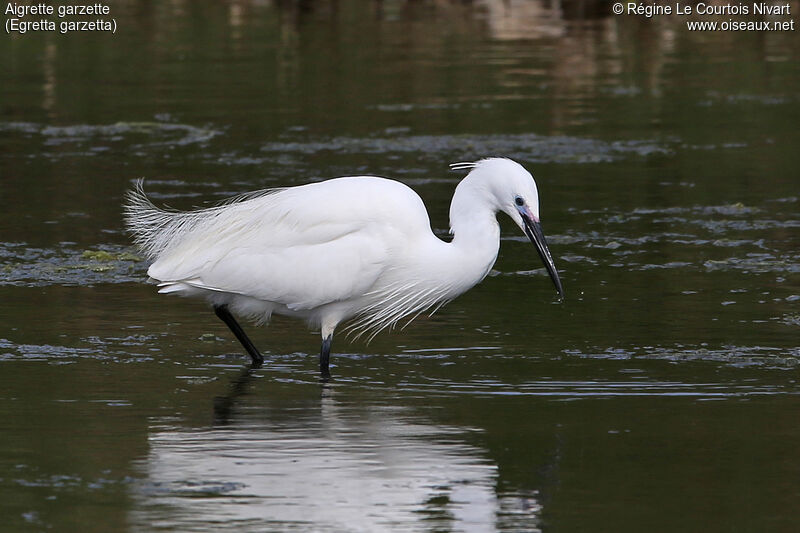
(476, 233)
(436, 271)
(445, 270)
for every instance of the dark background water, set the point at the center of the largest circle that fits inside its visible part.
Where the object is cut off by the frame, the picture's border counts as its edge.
(661, 394)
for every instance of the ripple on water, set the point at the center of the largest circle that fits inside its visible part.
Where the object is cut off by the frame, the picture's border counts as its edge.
(128, 349)
(143, 138)
(26, 266)
(767, 357)
(785, 263)
(757, 239)
(576, 390)
(69, 482)
(86, 138)
(716, 97)
(528, 147)
(484, 373)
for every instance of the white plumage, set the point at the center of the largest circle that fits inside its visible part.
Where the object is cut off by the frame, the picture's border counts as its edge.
(356, 248)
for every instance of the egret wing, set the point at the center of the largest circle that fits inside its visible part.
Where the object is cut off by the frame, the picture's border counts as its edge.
(300, 276)
(302, 247)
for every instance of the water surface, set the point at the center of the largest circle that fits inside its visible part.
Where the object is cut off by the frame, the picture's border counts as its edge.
(663, 390)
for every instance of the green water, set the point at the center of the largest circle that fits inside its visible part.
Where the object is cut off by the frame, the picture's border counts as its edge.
(661, 395)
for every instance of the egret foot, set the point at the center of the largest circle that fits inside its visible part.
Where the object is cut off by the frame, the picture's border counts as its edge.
(325, 358)
(226, 316)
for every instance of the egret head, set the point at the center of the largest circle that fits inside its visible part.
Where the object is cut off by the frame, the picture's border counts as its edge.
(511, 189)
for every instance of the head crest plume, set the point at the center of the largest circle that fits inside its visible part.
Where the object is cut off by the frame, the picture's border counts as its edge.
(463, 165)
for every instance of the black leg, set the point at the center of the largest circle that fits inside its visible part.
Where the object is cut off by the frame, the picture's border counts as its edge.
(325, 357)
(226, 316)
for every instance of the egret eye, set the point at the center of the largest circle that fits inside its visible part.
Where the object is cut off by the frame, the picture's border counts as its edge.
(519, 201)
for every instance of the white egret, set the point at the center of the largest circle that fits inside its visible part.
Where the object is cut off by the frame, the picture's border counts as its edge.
(353, 248)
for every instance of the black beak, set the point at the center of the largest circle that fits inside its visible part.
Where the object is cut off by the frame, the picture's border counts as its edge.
(533, 229)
